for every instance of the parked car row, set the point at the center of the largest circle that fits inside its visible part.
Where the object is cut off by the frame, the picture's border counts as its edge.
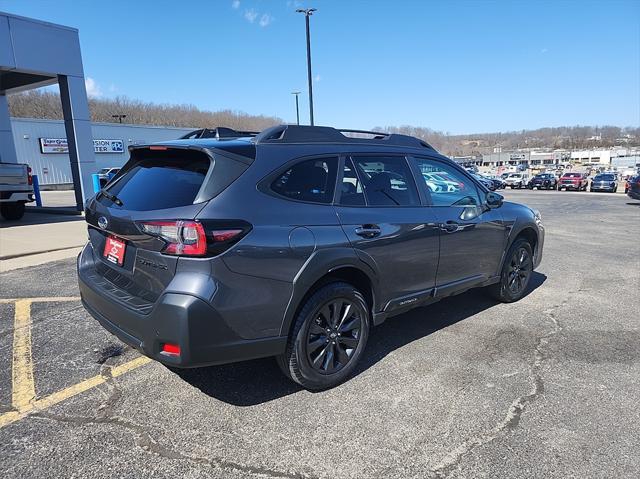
(568, 181)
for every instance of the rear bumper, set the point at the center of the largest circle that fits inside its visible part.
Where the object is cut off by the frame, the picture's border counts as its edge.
(16, 196)
(203, 336)
(571, 186)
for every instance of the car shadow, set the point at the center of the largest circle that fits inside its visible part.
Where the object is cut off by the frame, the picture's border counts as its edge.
(250, 383)
(634, 204)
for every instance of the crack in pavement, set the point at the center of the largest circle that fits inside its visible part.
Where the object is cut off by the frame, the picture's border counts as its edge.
(517, 407)
(144, 439)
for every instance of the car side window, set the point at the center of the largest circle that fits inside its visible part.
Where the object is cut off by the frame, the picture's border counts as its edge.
(386, 180)
(309, 180)
(352, 192)
(447, 186)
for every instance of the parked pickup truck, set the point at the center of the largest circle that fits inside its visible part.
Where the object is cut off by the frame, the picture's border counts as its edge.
(16, 189)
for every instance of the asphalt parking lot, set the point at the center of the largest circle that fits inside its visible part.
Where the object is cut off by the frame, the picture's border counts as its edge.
(546, 387)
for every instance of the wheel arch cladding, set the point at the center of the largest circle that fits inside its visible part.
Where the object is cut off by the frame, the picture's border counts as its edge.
(350, 270)
(530, 235)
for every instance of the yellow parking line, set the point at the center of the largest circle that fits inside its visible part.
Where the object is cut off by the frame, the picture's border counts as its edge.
(23, 396)
(57, 397)
(23, 388)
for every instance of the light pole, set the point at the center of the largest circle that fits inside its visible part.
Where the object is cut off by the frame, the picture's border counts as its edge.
(307, 13)
(119, 117)
(296, 93)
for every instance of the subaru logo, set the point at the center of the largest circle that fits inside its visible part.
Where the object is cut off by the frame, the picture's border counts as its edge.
(102, 222)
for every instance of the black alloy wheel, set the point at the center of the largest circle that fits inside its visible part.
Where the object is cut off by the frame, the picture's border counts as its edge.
(520, 267)
(333, 336)
(328, 337)
(516, 273)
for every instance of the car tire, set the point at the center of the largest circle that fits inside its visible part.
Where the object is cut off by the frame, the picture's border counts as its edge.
(506, 291)
(12, 211)
(321, 337)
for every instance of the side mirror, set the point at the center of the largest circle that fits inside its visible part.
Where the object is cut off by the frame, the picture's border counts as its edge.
(494, 200)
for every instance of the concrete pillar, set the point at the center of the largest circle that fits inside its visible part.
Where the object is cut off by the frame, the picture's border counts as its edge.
(7, 147)
(77, 124)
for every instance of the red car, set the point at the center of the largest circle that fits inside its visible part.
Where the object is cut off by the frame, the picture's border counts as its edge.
(573, 181)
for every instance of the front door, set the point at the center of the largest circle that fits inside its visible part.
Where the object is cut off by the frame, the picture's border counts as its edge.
(472, 236)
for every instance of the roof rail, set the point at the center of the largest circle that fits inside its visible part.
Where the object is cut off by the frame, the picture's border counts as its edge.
(218, 132)
(325, 134)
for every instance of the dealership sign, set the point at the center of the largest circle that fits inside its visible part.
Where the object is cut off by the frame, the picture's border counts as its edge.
(59, 145)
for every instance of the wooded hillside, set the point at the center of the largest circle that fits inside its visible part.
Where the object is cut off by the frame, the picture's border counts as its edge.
(44, 104)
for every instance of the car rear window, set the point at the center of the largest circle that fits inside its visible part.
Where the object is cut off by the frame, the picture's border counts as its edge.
(572, 175)
(158, 180)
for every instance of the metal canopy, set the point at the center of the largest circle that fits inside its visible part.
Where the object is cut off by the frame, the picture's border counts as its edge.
(35, 54)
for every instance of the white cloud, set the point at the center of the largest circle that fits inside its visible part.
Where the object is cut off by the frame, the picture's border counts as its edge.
(294, 3)
(544, 50)
(250, 15)
(265, 20)
(93, 89)
(235, 4)
(317, 78)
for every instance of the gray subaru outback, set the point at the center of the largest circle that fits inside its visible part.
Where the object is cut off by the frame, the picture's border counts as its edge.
(292, 243)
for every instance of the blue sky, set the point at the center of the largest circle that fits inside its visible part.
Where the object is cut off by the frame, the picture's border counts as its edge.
(455, 66)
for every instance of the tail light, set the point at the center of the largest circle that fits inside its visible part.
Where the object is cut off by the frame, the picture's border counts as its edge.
(29, 176)
(194, 238)
(182, 237)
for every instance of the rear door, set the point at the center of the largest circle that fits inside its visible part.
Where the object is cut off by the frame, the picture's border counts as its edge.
(382, 214)
(472, 236)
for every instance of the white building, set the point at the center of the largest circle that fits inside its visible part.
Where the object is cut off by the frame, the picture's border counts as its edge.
(591, 157)
(42, 145)
(616, 156)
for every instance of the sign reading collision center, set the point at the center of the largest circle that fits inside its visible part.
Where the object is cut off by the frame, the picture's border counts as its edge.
(59, 145)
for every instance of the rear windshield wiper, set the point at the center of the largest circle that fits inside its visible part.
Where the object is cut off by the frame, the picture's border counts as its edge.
(111, 197)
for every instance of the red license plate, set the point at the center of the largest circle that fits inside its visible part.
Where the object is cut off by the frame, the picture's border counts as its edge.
(114, 250)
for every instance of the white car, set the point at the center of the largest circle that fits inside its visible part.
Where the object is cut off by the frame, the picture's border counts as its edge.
(437, 183)
(516, 180)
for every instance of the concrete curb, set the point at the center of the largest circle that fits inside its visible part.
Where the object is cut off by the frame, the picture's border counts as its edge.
(37, 259)
(22, 255)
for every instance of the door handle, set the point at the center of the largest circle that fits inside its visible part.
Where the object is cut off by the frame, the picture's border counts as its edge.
(454, 226)
(368, 231)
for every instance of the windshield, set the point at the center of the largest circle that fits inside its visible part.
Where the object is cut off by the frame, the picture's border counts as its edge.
(604, 178)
